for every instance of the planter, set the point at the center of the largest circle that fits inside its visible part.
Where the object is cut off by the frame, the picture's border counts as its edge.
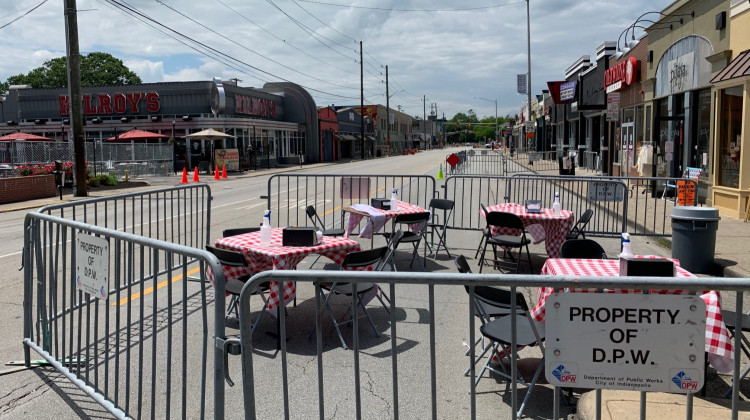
(23, 188)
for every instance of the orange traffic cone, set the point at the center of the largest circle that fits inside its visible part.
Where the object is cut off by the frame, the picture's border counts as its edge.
(195, 175)
(216, 173)
(184, 176)
(223, 171)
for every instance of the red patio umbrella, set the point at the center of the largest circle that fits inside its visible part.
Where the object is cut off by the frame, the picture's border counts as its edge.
(138, 135)
(24, 136)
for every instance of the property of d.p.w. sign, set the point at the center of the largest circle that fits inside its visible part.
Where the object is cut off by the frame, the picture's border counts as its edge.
(643, 342)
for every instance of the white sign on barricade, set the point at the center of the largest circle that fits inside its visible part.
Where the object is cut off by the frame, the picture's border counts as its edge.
(639, 342)
(92, 265)
(605, 191)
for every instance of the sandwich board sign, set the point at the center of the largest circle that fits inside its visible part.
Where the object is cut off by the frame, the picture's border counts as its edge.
(92, 265)
(637, 342)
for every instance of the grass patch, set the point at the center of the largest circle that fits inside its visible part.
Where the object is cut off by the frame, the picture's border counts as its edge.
(666, 243)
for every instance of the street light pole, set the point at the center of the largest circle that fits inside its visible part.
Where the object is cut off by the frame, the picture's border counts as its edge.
(528, 53)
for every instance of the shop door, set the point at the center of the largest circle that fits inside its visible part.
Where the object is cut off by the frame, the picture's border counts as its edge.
(327, 146)
(627, 148)
(668, 153)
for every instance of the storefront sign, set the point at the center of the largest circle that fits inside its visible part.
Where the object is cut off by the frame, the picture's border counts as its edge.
(625, 341)
(218, 97)
(568, 90)
(229, 158)
(521, 84)
(254, 106)
(613, 106)
(621, 75)
(681, 73)
(92, 265)
(119, 103)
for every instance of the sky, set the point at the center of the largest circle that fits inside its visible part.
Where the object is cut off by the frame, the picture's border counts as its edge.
(449, 56)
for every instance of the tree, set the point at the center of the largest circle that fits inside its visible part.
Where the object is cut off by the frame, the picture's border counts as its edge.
(97, 69)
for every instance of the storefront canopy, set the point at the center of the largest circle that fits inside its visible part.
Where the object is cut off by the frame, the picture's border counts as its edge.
(739, 67)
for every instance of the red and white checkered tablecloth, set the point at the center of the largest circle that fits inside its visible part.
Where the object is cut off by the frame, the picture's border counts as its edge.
(556, 228)
(279, 257)
(403, 208)
(718, 343)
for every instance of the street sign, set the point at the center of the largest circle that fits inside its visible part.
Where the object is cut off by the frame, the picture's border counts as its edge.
(453, 160)
(605, 191)
(635, 342)
(530, 127)
(613, 106)
(92, 265)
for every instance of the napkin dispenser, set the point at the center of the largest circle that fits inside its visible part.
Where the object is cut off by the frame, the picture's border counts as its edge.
(533, 206)
(381, 203)
(299, 236)
(649, 267)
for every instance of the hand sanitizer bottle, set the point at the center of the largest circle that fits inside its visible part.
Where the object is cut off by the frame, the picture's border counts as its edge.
(626, 251)
(556, 205)
(394, 199)
(265, 229)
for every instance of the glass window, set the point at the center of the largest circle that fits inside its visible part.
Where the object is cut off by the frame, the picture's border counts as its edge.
(730, 131)
(699, 154)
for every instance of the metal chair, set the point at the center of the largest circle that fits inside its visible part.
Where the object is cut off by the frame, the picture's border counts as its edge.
(580, 225)
(312, 214)
(238, 231)
(730, 320)
(435, 227)
(415, 238)
(373, 257)
(234, 286)
(485, 233)
(392, 245)
(502, 220)
(498, 331)
(582, 248)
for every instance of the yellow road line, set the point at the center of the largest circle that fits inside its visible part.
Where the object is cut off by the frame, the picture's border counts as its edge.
(148, 290)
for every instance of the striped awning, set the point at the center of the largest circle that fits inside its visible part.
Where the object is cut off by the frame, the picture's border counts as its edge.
(739, 67)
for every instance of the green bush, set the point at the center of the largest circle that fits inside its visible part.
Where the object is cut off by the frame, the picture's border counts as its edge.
(103, 179)
(93, 181)
(111, 179)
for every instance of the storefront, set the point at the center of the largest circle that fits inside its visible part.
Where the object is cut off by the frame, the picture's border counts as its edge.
(630, 136)
(280, 120)
(690, 45)
(592, 104)
(731, 191)
(329, 125)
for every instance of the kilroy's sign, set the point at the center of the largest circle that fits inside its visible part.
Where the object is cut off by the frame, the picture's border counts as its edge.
(118, 103)
(254, 106)
(622, 74)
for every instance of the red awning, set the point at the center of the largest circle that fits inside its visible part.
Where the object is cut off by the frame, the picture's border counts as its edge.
(24, 136)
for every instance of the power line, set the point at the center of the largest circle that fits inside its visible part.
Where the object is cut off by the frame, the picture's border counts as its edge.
(23, 15)
(248, 49)
(131, 10)
(394, 9)
(325, 24)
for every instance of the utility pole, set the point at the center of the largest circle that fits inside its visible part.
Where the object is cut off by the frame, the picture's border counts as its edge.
(387, 111)
(424, 116)
(76, 102)
(362, 99)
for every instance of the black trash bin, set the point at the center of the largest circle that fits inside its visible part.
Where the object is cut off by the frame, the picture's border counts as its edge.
(694, 237)
(563, 171)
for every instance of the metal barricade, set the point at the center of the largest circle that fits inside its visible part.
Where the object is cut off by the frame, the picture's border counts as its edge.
(181, 214)
(140, 345)
(288, 195)
(645, 213)
(545, 161)
(420, 382)
(607, 198)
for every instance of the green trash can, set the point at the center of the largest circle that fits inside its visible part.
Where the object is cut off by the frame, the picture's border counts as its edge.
(694, 237)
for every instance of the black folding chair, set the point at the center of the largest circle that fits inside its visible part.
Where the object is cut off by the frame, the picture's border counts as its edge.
(234, 286)
(498, 331)
(415, 238)
(730, 320)
(582, 248)
(434, 227)
(238, 231)
(502, 220)
(392, 245)
(312, 214)
(373, 257)
(580, 225)
(485, 233)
